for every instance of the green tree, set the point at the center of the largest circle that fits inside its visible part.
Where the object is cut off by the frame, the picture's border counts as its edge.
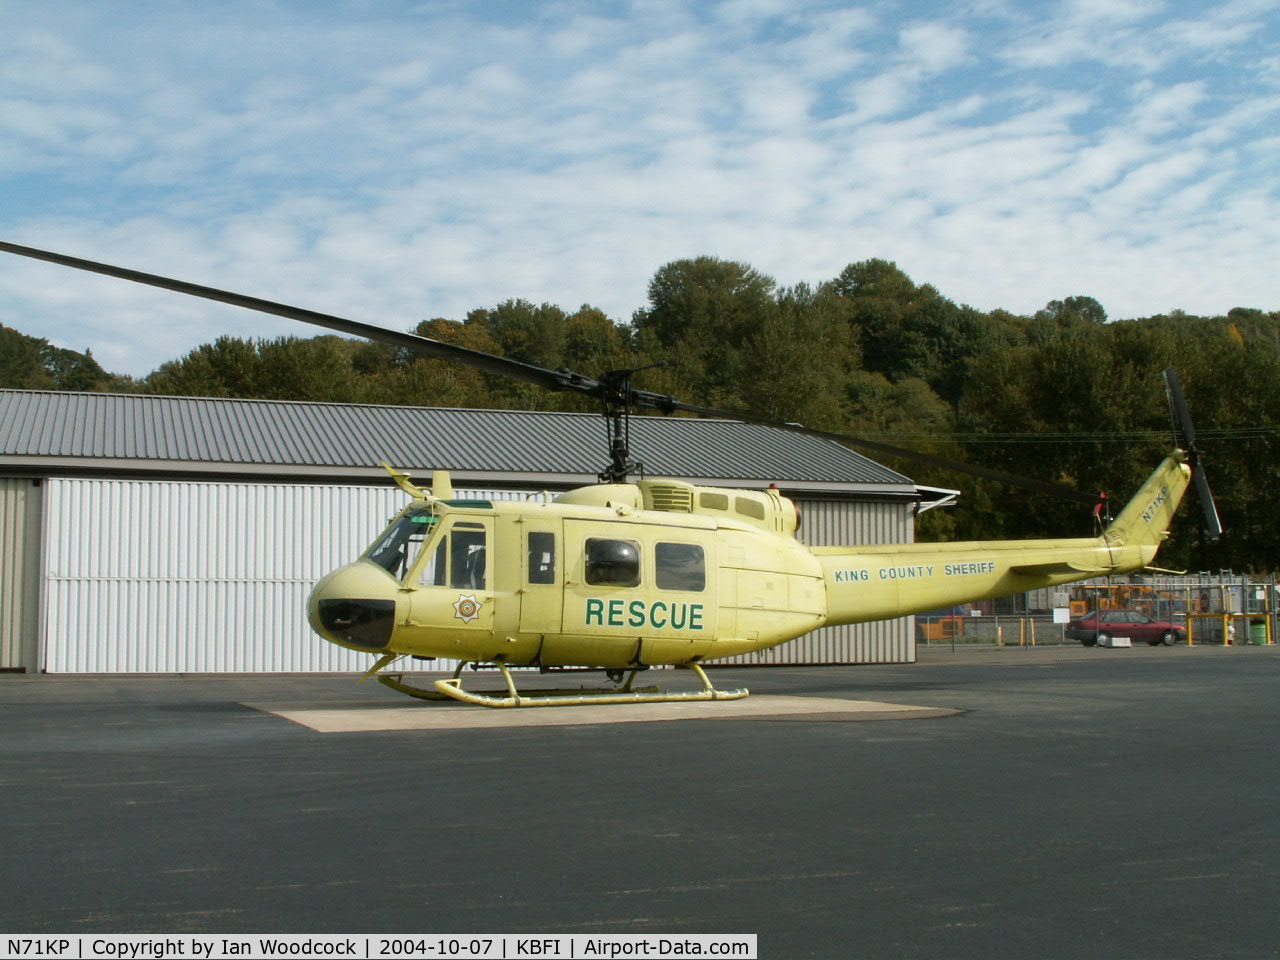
(21, 362)
(524, 332)
(908, 331)
(71, 370)
(790, 363)
(316, 368)
(449, 384)
(1078, 404)
(594, 344)
(1231, 379)
(32, 363)
(1072, 310)
(228, 367)
(700, 312)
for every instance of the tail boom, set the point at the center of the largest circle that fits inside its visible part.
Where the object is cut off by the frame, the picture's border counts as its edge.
(880, 582)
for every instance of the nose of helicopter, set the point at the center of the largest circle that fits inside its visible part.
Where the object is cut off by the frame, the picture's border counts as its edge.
(355, 607)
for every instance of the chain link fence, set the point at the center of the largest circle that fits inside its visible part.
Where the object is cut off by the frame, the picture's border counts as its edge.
(1221, 608)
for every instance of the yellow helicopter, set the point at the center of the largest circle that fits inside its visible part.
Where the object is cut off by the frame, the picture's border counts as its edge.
(622, 576)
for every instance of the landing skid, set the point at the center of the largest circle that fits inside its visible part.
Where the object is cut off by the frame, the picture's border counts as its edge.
(451, 689)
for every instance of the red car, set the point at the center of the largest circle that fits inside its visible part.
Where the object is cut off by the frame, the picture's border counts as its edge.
(1102, 625)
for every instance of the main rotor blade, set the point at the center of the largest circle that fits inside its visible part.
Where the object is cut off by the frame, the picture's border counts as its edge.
(551, 379)
(489, 363)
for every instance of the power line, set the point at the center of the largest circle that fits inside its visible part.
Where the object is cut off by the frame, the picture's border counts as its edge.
(1138, 436)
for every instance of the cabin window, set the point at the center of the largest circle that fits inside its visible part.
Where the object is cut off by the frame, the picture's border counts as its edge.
(393, 551)
(542, 557)
(458, 559)
(680, 566)
(713, 501)
(749, 508)
(613, 563)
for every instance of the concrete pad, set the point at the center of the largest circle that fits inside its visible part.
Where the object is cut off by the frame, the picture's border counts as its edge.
(364, 717)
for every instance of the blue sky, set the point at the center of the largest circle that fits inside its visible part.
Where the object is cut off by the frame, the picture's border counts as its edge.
(393, 161)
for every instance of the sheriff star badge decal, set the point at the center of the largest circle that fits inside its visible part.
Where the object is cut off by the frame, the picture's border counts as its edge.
(466, 608)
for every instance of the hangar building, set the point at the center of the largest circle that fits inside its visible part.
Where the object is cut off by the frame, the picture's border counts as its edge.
(172, 534)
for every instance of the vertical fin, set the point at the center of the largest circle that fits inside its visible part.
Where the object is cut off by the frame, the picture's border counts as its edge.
(1146, 518)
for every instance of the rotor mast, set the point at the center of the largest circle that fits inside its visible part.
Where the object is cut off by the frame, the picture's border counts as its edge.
(614, 389)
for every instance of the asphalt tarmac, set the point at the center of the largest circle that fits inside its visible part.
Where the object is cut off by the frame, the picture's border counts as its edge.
(1083, 803)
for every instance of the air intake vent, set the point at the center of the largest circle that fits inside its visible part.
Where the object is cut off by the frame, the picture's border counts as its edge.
(669, 497)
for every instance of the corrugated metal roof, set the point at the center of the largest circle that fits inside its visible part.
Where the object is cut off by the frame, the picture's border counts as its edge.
(260, 433)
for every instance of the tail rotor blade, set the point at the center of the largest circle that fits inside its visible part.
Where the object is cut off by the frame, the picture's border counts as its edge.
(1185, 431)
(1212, 524)
(1181, 414)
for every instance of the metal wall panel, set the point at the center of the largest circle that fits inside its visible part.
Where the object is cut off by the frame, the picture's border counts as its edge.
(148, 576)
(19, 571)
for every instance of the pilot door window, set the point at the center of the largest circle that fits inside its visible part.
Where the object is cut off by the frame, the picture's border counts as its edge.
(457, 559)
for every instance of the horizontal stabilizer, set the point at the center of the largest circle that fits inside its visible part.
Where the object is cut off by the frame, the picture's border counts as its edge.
(1057, 568)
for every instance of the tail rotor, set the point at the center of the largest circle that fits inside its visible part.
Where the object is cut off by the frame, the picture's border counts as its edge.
(1186, 431)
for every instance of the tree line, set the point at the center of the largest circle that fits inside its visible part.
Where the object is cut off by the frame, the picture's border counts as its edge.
(1063, 394)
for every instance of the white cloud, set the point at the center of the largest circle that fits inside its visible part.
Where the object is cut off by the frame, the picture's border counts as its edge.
(36, 56)
(934, 47)
(1154, 180)
(776, 102)
(1112, 11)
(1222, 26)
(429, 161)
(831, 47)
(1160, 109)
(882, 95)
(752, 11)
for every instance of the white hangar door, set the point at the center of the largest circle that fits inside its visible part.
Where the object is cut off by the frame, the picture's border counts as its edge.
(157, 576)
